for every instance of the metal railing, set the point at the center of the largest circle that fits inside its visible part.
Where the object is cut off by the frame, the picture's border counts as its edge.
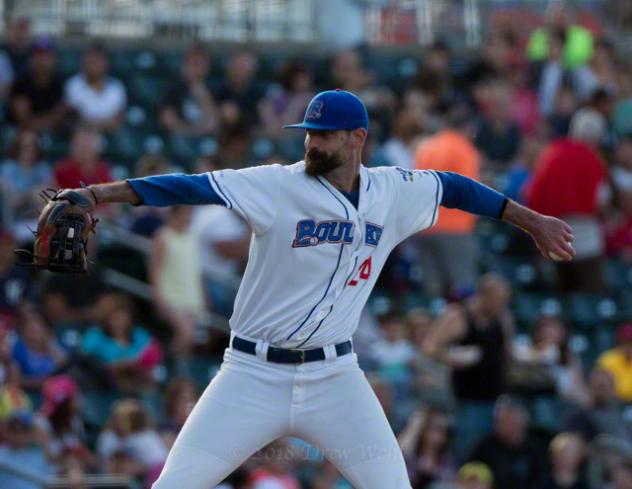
(54, 482)
(227, 20)
(385, 22)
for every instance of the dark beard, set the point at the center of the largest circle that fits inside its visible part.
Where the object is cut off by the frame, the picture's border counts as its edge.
(320, 163)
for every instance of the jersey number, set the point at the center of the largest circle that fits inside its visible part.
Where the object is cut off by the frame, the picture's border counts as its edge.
(365, 272)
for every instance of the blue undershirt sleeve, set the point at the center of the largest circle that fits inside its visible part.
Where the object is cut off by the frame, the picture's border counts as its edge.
(175, 189)
(460, 192)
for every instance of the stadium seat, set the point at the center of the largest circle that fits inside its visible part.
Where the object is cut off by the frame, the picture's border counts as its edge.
(185, 150)
(148, 91)
(68, 61)
(589, 311)
(528, 306)
(125, 146)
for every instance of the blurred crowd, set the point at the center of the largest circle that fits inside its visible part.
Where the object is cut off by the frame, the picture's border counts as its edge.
(94, 380)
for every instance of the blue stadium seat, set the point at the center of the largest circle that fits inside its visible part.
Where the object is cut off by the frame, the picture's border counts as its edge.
(528, 306)
(589, 311)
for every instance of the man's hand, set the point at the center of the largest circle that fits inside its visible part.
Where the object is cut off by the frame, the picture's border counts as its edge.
(552, 236)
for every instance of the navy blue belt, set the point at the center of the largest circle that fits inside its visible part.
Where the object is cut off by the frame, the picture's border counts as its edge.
(285, 355)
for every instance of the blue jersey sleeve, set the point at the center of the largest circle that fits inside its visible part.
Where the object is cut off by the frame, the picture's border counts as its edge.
(176, 189)
(460, 192)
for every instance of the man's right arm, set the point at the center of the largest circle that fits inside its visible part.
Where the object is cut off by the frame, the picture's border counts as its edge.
(159, 190)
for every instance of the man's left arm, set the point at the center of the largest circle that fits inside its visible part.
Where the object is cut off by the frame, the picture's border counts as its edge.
(552, 236)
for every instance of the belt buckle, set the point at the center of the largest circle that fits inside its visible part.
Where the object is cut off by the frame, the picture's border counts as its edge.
(301, 354)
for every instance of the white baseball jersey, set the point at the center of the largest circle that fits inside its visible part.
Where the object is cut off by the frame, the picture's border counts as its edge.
(314, 258)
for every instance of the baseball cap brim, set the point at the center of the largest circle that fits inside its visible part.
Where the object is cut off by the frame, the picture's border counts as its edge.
(316, 127)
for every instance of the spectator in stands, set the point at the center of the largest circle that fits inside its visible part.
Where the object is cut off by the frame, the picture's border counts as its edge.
(180, 396)
(176, 279)
(578, 41)
(603, 414)
(621, 477)
(36, 350)
(576, 162)
(83, 163)
(68, 300)
(508, 451)
(475, 475)
(524, 111)
(126, 350)
(24, 173)
(22, 452)
(566, 105)
(599, 73)
(518, 176)
(548, 352)
(61, 423)
(288, 101)
(493, 63)
(566, 456)
(622, 110)
(15, 281)
(130, 442)
(6, 77)
(475, 339)
(498, 137)
(618, 220)
(618, 361)
(393, 352)
(549, 75)
(399, 148)
(37, 98)
(97, 99)
(448, 252)
(425, 443)
(347, 71)
(239, 95)
(189, 108)
(17, 44)
(434, 77)
(432, 380)
(223, 240)
(12, 396)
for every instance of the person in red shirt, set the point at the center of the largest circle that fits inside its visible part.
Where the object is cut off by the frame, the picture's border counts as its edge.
(570, 182)
(83, 163)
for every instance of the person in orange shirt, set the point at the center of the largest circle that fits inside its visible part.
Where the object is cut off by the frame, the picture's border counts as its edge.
(449, 251)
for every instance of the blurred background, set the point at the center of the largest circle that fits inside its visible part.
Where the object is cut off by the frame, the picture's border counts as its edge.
(496, 369)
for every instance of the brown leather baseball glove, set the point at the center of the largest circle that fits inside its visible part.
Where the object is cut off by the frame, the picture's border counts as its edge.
(63, 228)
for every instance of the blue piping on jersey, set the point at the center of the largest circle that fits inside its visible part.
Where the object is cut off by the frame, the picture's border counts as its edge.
(230, 204)
(316, 328)
(369, 184)
(434, 214)
(329, 190)
(322, 298)
(332, 275)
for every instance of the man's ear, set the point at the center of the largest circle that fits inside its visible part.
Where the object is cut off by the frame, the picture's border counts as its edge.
(359, 136)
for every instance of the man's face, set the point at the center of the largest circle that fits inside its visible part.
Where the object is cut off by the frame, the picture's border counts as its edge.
(43, 61)
(602, 387)
(325, 151)
(511, 425)
(95, 65)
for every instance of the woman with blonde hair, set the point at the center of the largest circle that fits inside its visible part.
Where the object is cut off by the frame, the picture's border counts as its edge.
(567, 452)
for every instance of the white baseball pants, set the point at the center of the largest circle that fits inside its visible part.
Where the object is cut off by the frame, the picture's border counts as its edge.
(252, 402)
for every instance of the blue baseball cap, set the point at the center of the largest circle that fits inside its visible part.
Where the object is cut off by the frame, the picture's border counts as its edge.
(334, 110)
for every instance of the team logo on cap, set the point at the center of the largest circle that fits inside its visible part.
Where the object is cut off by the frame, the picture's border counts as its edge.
(314, 111)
